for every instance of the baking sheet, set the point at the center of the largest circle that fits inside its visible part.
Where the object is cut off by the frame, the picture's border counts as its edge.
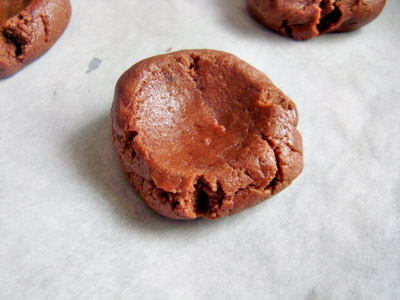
(71, 227)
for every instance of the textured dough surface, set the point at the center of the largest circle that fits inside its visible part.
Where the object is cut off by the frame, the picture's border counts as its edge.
(200, 133)
(28, 29)
(305, 19)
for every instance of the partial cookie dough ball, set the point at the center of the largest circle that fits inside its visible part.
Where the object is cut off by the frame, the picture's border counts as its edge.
(28, 28)
(201, 133)
(305, 19)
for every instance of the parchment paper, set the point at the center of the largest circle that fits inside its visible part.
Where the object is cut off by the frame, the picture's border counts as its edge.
(71, 227)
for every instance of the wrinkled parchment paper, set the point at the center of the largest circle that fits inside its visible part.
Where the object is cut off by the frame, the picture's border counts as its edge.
(71, 227)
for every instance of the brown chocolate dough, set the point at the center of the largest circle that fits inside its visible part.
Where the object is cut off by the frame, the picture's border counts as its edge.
(9, 8)
(305, 19)
(28, 28)
(201, 133)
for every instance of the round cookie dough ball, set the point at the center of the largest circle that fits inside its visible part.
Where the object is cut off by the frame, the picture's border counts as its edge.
(28, 28)
(201, 133)
(305, 19)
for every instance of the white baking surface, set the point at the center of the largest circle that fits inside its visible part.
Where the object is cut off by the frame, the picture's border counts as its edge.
(71, 227)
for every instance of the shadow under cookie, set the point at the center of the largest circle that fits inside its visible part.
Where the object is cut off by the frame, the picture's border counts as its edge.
(94, 161)
(28, 28)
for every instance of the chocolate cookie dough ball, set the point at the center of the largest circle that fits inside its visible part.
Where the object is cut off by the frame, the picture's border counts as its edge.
(305, 19)
(200, 133)
(28, 28)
